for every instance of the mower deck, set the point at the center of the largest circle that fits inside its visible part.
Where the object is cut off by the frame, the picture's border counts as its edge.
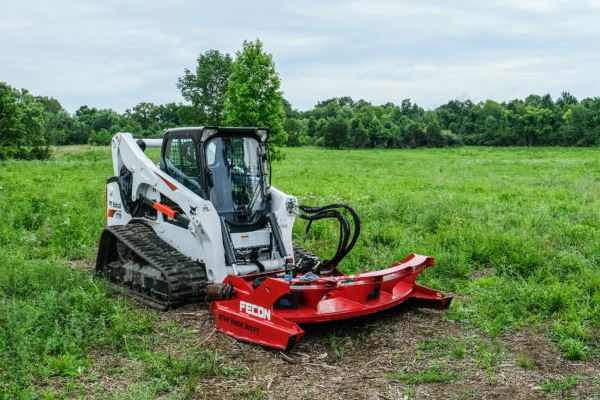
(269, 315)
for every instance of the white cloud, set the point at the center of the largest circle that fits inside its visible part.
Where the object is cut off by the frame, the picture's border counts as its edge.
(117, 54)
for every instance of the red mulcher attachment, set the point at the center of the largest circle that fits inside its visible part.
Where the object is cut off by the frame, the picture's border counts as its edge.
(269, 314)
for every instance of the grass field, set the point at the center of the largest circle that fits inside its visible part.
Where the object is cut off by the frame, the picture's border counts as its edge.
(514, 231)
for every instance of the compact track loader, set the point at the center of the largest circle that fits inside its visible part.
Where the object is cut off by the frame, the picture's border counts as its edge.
(205, 223)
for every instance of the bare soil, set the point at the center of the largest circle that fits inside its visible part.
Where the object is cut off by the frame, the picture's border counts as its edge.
(398, 341)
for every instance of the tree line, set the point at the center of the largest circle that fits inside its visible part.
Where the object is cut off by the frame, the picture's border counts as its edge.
(535, 121)
(245, 91)
(30, 125)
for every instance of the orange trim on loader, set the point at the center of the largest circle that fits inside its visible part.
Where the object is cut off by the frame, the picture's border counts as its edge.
(105, 207)
(169, 184)
(163, 208)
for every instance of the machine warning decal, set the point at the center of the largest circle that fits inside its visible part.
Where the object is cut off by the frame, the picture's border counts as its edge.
(238, 323)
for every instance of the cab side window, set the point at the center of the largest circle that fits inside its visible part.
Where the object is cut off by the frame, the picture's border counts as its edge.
(182, 164)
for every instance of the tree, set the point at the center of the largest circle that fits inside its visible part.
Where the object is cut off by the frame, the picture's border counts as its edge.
(206, 88)
(34, 120)
(84, 117)
(144, 113)
(59, 123)
(253, 97)
(106, 119)
(101, 138)
(58, 127)
(433, 130)
(297, 131)
(168, 115)
(12, 129)
(336, 133)
(22, 125)
(565, 100)
(414, 133)
(536, 124)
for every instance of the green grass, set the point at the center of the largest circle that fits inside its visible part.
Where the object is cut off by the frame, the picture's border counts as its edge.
(558, 386)
(514, 231)
(435, 373)
(525, 362)
(339, 345)
(53, 312)
(436, 348)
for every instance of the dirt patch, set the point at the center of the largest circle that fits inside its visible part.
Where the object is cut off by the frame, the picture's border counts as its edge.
(402, 353)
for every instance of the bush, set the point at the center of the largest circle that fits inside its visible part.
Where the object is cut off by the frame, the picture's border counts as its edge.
(8, 152)
(100, 138)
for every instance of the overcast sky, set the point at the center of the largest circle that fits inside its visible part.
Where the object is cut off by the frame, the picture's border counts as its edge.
(116, 54)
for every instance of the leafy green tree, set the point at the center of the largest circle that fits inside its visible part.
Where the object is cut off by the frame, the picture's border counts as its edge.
(414, 132)
(297, 131)
(546, 102)
(168, 115)
(433, 130)
(206, 87)
(410, 110)
(536, 122)
(34, 120)
(488, 123)
(358, 133)
(289, 111)
(106, 119)
(12, 130)
(582, 121)
(51, 105)
(84, 117)
(336, 133)
(379, 137)
(327, 109)
(565, 100)
(144, 113)
(533, 100)
(150, 120)
(22, 125)
(100, 138)
(59, 123)
(90, 120)
(253, 96)
(58, 127)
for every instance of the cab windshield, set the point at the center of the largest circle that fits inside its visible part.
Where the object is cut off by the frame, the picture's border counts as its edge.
(237, 174)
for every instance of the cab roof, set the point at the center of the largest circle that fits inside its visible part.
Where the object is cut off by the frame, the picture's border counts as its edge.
(203, 133)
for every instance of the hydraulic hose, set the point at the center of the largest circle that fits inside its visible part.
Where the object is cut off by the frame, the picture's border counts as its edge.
(348, 236)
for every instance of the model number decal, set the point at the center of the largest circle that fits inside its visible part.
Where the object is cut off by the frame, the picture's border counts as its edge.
(114, 204)
(254, 310)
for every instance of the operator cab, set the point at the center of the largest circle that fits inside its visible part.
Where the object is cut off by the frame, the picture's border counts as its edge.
(227, 166)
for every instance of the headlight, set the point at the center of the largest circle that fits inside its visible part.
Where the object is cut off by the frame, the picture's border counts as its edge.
(263, 134)
(208, 132)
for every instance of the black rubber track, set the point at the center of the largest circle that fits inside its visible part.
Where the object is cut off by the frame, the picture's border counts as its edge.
(182, 279)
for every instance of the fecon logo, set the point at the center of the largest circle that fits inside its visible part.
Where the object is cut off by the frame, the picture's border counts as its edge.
(257, 311)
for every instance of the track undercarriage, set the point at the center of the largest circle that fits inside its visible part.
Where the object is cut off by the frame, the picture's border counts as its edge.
(141, 265)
